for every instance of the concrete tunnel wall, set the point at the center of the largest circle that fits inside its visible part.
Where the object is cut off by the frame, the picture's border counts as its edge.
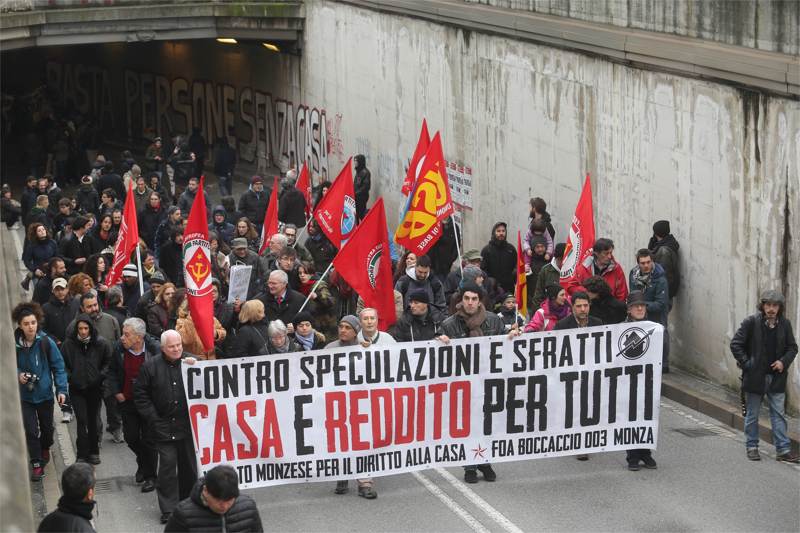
(719, 162)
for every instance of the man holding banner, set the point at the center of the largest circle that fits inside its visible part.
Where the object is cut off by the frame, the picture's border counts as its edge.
(472, 320)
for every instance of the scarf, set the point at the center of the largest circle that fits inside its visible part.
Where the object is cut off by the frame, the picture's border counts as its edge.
(599, 271)
(85, 340)
(305, 287)
(472, 322)
(642, 280)
(560, 312)
(306, 342)
(282, 349)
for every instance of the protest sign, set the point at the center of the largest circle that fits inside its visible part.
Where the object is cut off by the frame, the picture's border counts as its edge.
(356, 412)
(239, 282)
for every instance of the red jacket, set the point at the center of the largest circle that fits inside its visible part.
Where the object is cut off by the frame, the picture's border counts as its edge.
(614, 276)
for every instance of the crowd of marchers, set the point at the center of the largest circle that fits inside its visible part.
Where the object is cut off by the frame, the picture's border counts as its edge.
(121, 346)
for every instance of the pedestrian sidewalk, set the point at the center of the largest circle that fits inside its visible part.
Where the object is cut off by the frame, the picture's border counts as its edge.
(720, 403)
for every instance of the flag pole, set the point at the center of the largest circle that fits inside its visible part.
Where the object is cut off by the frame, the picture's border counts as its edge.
(315, 286)
(139, 266)
(300, 233)
(458, 246)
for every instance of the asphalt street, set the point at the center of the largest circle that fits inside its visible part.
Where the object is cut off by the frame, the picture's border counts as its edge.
(703, 483)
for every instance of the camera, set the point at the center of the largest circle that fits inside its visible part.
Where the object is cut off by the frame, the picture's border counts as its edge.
(33, 379)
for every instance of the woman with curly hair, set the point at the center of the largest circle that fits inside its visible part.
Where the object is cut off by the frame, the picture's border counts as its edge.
(407, 260)
(159, 311)
(246, 230)
(79, 284)
(39, 248)
(96, 268)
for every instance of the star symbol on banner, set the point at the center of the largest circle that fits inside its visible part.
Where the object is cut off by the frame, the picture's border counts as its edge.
(478, 452)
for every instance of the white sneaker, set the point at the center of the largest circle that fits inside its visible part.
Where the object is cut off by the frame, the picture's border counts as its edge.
(66, 417)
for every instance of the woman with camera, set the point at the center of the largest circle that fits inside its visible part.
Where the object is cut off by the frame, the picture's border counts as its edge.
(39, 364)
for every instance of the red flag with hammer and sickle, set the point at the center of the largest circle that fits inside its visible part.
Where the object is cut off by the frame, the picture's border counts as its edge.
(197, 270)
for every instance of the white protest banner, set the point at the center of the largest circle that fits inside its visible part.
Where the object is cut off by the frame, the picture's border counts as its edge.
(356, 412)
(239, 282)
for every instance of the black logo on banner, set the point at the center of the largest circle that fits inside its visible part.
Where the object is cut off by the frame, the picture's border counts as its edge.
(633, 343)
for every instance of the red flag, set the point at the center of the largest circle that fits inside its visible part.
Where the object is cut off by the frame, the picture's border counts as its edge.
(366, 264)
(270, 226)
(429, 204)
(127, 240)
(197, 270)
(521, 292)
(303, 185)
(422, 146)
(581, 234)
(336, 212)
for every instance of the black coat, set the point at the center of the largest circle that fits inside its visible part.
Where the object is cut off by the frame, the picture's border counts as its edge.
(257, 275)
(58, 315)
(159, 397)
(250, 339)
(87, 199)
(410, 328)
(112, 181)
(747, 347)
(86, 363)
(570, 322)
(292, 207)
(192, 515)
(322, 251)
(254, 205)
(609, 310)
(69, 517)
(170, 260)
(499, 260)
(149, 220)
(444, 252)
(72, 249)
(115, 372)
(456, 328)
(287, 309)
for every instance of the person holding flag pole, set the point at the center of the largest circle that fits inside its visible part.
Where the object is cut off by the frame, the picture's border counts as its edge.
(270, 225)
(127, 241)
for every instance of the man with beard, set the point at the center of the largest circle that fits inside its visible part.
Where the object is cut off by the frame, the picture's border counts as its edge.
(764, 348)
(56, 268)
(499, 258)
(471, 319)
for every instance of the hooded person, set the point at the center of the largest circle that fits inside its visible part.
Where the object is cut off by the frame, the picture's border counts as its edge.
(499, 258)
(220, 225)
(665, 248)
(536, 258)
(86, 357)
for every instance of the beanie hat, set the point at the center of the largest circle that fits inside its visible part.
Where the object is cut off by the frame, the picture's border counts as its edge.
(351, 321)
(470, 273)
(552, 291)
(303, 316)
(538, 239)
(129, 271)
(509, 296)
(157, 277)
(256, 179)
(636, 298)
(772, 296)
(661, 228)
(559, 250)
(419, 295)
(239, 242)
(471, 287)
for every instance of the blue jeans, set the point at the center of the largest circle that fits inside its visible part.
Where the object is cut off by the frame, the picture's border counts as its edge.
(777, 418)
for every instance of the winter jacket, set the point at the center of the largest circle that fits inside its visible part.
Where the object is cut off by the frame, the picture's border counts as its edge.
(665, 253)
(225, 230)
(322, 251)
(149, 220)
(157, 319)
(550, 274)
(544, 318)
(250, 339)
(286, 310)
(104, 324)
(571, 323)
(87, 199)
(159, 397)
(192, 515)
(131, 296)
(141, 199)
(362, 182)
(115, 371)
(69, 517)
(499, 260)
(10, 210)
(747, 347)
(258, 274)
(191, 340)
(526, 245)
(170, 260)
(58, 315)
(112, 181)
(44, 361)
(411, 328)
(444, 251)
(510, 318)
(37, 254)
(432, 286)
(323, 309)
(456, 328)
(253, 205)
(73, 248)
(224, 160)
(38, 214)
(608, 309)
(656, 292)
(292, 207)
(188, 197)
(85, 363)
(612, 274)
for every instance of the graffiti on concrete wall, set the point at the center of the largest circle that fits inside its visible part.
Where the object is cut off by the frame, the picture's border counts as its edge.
(264, 129)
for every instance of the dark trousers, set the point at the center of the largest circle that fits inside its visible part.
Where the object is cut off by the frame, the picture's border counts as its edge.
(361, 206)
(176, 472)
(37, 418)
(113, 419)
(225, 187)
(86, 404)
(134, 428)
(634, 456)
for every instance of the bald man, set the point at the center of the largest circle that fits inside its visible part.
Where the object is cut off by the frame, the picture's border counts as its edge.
(160, 399)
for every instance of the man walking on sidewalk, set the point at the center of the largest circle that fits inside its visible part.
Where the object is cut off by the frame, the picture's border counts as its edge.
(764, 347)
